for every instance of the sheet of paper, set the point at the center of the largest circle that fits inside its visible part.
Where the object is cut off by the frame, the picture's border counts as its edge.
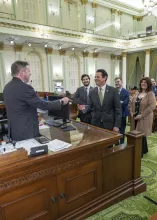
(57, 145)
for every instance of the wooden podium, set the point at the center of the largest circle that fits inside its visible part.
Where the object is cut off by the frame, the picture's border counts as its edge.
(72, 183)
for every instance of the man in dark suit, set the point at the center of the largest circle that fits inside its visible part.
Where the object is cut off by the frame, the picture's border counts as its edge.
(21, 103)
(124, 100)
(154, 87)
(104, 102)
(82, 94)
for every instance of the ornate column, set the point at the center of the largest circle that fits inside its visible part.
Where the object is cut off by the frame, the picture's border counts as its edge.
(124, 54)
(50, 67)
(119, 21)
(18, 51)
(113, 61)
(85, 61)
(2, 68)
(118, 71)
(139, 23)
(147, 62)
(62, 54)
(113, 19)
(84, 2)
(134, 24)
(94, 6)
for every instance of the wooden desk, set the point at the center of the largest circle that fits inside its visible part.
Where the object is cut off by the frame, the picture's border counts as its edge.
(73, 183)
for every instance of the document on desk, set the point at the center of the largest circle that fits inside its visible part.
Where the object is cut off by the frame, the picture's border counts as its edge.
(27, 144)
(57, 145)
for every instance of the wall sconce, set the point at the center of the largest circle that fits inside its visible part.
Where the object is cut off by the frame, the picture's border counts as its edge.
(53, 11)
(90, 20)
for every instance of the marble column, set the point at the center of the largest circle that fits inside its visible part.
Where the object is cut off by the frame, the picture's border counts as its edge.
(118, 71)
(113, 62)
(18, 51)
(85, 62)
(119, 21)
(113, 19)
(84, 2)
(94, 6)
(134, 24)
(124, 54)
(147, 62)
(50, 67)
(2, 68)
(62, 54)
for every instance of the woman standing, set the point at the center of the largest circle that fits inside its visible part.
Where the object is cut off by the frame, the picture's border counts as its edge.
(141, 110)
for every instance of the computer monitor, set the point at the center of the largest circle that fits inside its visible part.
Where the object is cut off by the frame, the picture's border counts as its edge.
(63, 113)
(1, 97)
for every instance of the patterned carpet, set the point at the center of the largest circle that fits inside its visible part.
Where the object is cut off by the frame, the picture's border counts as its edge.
(138, 207)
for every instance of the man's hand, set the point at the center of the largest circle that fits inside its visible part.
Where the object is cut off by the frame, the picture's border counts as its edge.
(138, 117)
(116, 129)
(65, 100)
(81, 107)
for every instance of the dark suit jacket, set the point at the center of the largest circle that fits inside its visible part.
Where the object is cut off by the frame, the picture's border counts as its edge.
(21, 104)
(109, 113)
(124, 98)
(81, 94)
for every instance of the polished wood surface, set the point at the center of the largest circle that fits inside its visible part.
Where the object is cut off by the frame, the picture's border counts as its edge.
(153, 217)
(73, 183)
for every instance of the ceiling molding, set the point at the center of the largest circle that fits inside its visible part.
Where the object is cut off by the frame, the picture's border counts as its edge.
(119, 6)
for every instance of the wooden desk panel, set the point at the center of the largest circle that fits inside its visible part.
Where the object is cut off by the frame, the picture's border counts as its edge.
(73, 183)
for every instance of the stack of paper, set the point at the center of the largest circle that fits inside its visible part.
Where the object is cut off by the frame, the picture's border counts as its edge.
(57, 145)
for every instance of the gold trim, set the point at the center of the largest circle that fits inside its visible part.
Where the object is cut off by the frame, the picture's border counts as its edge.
(124, 54)
(134, 17)
(94, 5)
(1, 45)
(85, 53)
(113, 11)
(49, 50)
(95, 54)
(84, 2)
(113, 56)
(62, 52)
(120, 13)
(18, 47)
(147, 51)
(139, 18)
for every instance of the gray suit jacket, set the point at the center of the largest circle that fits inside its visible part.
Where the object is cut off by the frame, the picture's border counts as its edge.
(81, 94)
(109, 113)
(21, 103)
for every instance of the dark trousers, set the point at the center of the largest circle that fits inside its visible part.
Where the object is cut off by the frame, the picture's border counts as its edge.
(122, 129)
(85, 117)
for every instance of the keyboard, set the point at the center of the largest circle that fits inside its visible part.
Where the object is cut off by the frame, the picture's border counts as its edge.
(54, 123)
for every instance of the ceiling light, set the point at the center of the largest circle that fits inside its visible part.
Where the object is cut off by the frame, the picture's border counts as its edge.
(11, 42)
(73, 48)
(46, 45)
(29, 44)
(60, 47)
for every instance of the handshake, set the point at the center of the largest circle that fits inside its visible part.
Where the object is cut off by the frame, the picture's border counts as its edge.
(65, 100)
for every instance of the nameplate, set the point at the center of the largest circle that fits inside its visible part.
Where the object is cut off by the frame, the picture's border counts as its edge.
(39, 150)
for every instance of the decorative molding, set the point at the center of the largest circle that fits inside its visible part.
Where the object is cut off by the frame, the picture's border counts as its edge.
(139, 18)
(1, 45)
(62, 52)
(94, 5)
(95, 54)
(134, 18)
(119, 57)
(120, 13)
(84, 2)
(48, 50)
(113, 56)
(113, 11)
(18, 47)
(124, 54)
(49, 171)
(147, 51)
(85, 53)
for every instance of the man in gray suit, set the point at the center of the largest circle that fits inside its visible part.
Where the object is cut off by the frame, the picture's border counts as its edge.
(104, 101)
(21, 103)
(82, 94)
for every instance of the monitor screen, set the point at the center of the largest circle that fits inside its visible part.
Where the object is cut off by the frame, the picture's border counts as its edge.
(63, 113)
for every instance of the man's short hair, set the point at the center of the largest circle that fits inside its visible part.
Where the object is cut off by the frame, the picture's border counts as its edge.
(118, 78)
(85, 75)
(103, 72)
(17, 66)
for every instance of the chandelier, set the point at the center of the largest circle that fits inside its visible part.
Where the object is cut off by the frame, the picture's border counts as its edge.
(150, 8)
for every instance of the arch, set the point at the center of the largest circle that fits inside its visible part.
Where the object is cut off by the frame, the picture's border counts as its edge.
(35, 61)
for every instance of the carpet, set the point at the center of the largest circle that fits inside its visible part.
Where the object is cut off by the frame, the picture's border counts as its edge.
(142, 206)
